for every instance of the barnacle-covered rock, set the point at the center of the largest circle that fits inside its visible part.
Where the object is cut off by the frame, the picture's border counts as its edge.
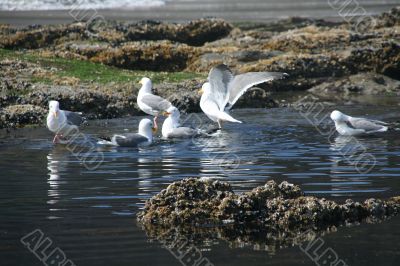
(197, 202)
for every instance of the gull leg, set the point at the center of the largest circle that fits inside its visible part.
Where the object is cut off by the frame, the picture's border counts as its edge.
(155, 122)
(56, 139)
(220, 124)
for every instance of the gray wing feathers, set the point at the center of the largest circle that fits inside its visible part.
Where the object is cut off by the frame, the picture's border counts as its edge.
(182, 132)
(156, 102)
(130, 140)
(74, 118)
(219, 78)
(241, 83)
(367, 125)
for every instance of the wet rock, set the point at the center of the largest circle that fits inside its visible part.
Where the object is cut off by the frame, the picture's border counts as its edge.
(364, 83)
(382, 57)
(206, 202)
(310, 39)
(42, 36)
(156, 56)
(389, 19)
(194, 33)
(19, 115)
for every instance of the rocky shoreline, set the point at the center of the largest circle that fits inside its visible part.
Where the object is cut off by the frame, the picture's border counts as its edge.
(59, 62)
(273, 214)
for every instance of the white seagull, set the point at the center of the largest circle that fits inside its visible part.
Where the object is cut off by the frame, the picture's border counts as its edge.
(149, 103)
(353, 126)
(144, 136)
(171, 127)
(223, 89)
(61, 122)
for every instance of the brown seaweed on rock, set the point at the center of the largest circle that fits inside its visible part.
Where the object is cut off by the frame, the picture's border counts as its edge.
(273, 212)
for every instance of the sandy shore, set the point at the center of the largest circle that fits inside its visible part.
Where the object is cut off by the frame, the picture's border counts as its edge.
(183, 10)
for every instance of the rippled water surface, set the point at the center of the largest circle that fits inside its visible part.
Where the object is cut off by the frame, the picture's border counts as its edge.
(90, 214)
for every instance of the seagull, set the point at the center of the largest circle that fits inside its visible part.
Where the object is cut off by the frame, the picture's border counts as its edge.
(172, 129)
(149, 103)
(62, 122)
(223, 89)
(353, 126)
(144, 136)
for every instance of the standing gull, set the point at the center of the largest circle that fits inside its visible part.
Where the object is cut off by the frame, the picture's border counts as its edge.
(149, 103)
(171, 127)
(144, 136)
(223, 89)
(61, 122)
(353, 126)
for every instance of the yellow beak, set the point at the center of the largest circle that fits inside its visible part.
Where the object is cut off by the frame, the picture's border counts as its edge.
(154, 129)
(166, 114)
(201, 91)
(55, 114)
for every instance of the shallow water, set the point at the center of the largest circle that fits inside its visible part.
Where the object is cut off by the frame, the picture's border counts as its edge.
(90, 214)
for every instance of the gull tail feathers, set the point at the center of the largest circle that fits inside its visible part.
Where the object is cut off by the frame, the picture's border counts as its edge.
(226, 117)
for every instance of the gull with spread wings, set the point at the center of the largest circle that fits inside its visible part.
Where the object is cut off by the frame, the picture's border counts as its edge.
(223, 89)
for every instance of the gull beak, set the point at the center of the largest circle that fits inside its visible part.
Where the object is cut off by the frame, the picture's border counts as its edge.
(55, 114)
(141, 82)
(166, 114)
(201, 91)
(154, 129)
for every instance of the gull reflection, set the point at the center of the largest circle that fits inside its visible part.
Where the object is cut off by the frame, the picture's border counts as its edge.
(354, 161)
(57, 162)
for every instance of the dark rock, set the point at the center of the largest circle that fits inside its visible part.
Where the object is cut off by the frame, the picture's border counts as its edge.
(156, 56)
(20, 115)
(197, 202)
(364, 83)
(268, 217)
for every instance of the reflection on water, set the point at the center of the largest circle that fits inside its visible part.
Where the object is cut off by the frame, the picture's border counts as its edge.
(91, 212)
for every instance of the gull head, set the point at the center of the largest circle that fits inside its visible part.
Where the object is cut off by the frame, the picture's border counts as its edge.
(338, 116)
(146, 84)
(206, 88)
(54, 108)
(146, 128)
(173, 112)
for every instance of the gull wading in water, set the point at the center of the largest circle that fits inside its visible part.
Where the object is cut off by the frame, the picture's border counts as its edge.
(353, 126)
(171, 127)
(144, 136)
(149, 103)
(223, 89)
(62, 122)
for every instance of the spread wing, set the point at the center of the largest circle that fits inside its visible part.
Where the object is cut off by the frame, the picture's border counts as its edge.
(219, 78)
(74, 118)
(130, 140)
(367, 125)
(241, 83)
(156, 103)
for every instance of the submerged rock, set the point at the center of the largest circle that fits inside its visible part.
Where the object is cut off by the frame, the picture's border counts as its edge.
(196, 202)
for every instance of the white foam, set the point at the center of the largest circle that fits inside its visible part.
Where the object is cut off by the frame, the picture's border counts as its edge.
(10, 5)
